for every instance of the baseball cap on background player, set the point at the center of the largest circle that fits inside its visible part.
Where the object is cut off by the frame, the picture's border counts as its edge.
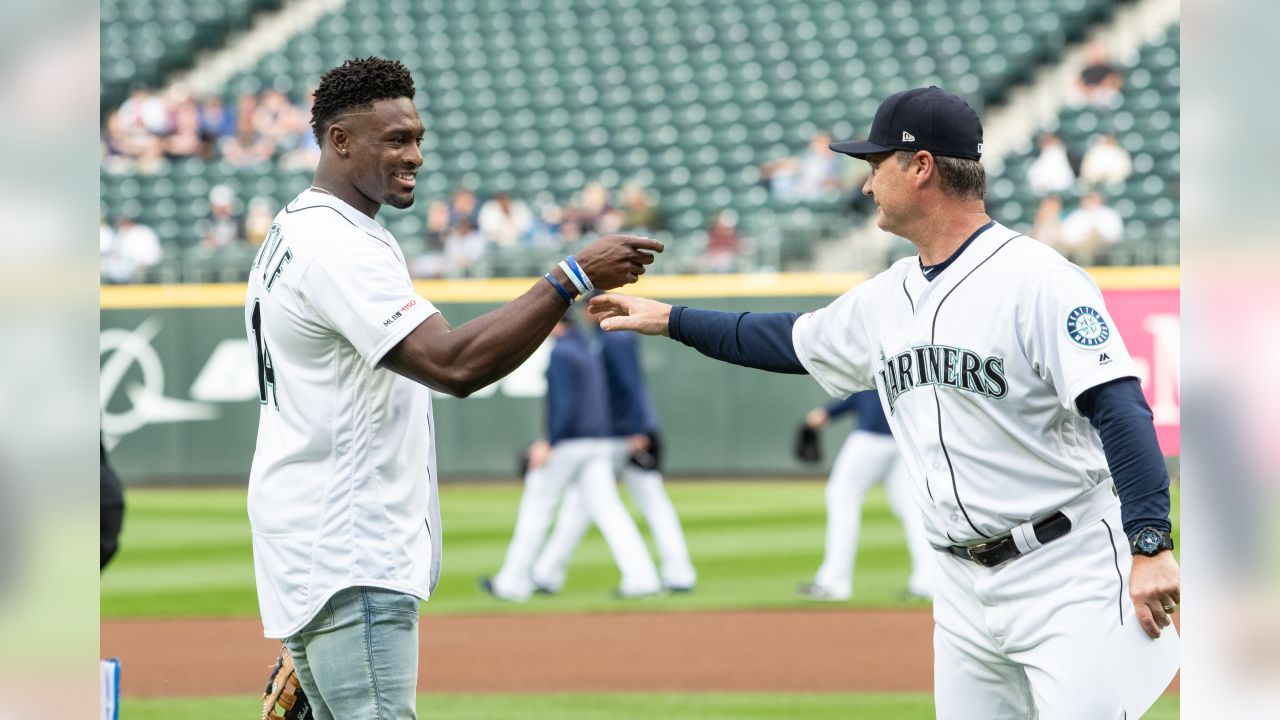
(921, 119)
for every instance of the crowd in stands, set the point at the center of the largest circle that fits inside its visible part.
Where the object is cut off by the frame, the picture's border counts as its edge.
(1085, 232)
(464, 231)
(262, 127)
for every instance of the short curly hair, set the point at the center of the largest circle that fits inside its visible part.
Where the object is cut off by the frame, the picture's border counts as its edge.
(355, 85)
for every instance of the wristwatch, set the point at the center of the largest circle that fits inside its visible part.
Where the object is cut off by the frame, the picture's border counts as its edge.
(1150, 541)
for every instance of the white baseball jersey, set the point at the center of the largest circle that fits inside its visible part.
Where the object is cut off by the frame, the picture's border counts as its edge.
(343, 486)
(978, 372)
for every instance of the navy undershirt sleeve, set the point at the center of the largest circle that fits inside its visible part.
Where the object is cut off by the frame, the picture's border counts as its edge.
(1120, 414)
(840, 407)
(754, 340)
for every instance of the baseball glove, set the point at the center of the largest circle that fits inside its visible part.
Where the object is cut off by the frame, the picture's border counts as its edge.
(808, 446)
(283, 698)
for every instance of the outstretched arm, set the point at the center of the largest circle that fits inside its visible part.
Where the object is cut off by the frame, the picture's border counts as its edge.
(461, 360)
(755, 340)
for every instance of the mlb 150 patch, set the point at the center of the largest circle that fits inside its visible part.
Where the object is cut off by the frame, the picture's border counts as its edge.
(1086, 327)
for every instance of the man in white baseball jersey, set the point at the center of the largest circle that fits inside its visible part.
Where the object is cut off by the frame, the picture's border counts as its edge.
(581, 458)
(1019, 414)
(638, 459)
(342, 492)
(867, 457)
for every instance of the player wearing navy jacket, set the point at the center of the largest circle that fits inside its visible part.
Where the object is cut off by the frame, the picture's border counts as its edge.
(639, 454)
(582, 451)
(867, 457)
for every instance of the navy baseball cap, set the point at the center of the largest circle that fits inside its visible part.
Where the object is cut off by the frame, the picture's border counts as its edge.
(921, 119)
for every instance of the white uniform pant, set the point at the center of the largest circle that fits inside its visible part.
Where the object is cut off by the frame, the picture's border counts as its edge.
(647, 492)
(1026, 639)
(587, 466)
(865, 459)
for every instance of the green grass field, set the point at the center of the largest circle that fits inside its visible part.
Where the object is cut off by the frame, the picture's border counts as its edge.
(187, 553)
(617, 706)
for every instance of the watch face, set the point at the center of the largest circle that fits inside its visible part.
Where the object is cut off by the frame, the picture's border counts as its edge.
(1148, 541)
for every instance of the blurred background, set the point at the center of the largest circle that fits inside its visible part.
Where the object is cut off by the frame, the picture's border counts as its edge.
(701, 122)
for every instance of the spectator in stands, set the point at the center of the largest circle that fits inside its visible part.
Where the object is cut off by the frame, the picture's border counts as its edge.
(1105, 162)
(126, 253)
(1047, 226)
(463, 204)
(248, 146)
(437, 225)
(215, 122)
(505, 222)
(223, 228)
(818, 170)
(724, 244)
(805, 178)
(1100, 82)
(639, 214)
(1090, 229)
(463, 249)
(185, 141)
(146, 111)
(277, 119)
(305, 154)
(129, 143)
(258, 219)
(594, 213)
(1051, 171)
(548, 219)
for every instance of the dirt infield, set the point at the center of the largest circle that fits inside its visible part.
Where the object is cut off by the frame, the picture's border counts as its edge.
(764, 651)
(784, 651)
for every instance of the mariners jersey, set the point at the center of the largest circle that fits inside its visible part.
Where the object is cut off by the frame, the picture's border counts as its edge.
(978, 372)
(343, 486)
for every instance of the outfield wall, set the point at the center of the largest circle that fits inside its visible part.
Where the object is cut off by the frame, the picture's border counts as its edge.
(179, 393)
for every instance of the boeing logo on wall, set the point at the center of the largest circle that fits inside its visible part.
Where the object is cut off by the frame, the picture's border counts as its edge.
(121, 349)
(228, 376)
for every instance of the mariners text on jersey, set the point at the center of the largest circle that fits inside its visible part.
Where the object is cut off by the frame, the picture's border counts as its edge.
(942, 365)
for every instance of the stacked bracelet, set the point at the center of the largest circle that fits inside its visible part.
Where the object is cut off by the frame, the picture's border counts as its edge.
(577, 270)
(559, 288)
(573, 278)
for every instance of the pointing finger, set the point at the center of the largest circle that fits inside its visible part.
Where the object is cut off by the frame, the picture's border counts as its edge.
(644, 243)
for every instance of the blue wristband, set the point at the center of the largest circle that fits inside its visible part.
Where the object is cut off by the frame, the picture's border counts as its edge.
(577, 270)
(559, 288)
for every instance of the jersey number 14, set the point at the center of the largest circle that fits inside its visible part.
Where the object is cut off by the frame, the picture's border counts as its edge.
(266, 370)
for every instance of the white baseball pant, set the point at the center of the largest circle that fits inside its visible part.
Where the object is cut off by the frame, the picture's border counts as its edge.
(865, 459)
(1027, 638)
(649, 495)
(586, 465)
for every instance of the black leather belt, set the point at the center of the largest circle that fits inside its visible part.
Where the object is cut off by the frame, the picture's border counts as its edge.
(994, 552)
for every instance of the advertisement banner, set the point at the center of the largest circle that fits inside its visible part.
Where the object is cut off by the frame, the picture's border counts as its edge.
(179, 396)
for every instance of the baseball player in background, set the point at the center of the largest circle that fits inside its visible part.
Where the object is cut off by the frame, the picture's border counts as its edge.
(342, 493)
(867, 457)
(1018, 412)
(638, 457)
(582, 456)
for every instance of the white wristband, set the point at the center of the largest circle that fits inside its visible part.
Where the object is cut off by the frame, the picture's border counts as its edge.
(573, 278)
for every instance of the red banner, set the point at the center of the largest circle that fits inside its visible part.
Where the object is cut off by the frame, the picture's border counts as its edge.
(1150, 324)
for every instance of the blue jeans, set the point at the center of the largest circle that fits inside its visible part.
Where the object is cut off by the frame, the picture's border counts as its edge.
(358, 657)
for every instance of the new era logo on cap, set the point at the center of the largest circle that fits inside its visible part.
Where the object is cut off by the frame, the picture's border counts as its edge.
(940, 123)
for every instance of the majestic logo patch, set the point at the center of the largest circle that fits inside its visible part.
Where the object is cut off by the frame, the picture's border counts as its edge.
(944, 366)
(1103, 359)
(1087, 328)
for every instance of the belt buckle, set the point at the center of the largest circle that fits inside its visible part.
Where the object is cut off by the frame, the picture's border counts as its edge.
(980, 547)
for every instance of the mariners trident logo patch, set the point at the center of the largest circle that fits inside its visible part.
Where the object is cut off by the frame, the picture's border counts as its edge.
(1087, 328)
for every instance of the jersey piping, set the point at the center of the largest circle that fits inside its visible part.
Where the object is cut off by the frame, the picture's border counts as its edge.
(1115, 554)
(955, 489)
(289, 211)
